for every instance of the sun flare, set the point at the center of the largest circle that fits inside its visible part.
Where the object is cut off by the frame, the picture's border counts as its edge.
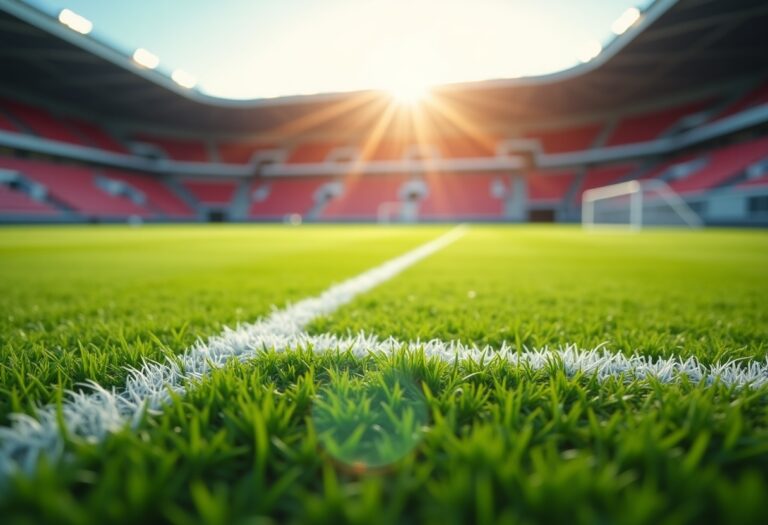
(408, 91)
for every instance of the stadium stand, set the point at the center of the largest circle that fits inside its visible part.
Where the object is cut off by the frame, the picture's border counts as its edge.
(721, 165)
(466, 196)
(363, 195)
(240, 152)
(14, 202)
(310, 152)
(211, 192)
(6, 124)
(159, 197)
(463, 126)
(95, 136)
(648, 126)
(756, 97)
(754, 183)
(567, 140)
(466, 147)
(42, 123)
(284, 196)
(549, 187)
(383, 150)
(75, 187)
(178, 149)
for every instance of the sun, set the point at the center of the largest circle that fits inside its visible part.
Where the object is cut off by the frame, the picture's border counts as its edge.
(408, 91)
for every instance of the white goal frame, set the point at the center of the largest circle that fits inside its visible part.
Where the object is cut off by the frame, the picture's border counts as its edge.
(635, 189)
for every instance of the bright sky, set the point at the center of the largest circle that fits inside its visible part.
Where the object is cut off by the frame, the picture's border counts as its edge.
(267, 48)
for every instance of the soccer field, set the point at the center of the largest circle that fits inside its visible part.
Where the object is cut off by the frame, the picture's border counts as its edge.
(488, 374)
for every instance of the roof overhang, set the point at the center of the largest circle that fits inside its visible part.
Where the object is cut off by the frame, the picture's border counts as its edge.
(677, 48)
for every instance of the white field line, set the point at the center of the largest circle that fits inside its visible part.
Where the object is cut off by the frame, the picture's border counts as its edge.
(93, 414)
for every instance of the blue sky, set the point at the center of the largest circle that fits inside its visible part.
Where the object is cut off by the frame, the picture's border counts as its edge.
(266, 48)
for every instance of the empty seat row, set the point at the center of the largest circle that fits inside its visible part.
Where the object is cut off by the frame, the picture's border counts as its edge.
(211, 192)
(285, 196)
(76, 188)
(644, 126)
(16, 202)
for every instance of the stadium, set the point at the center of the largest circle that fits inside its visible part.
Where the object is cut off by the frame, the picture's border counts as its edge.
(375, 330)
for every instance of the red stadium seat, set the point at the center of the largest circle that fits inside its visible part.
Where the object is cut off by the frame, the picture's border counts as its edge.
(461, 195)
(287, 196)
(43, 123)
(178, 149)
(160, 198)
(6, 124)
(240, 152)
(466, 147)
(95, 136)
(14, 202)
(363, 194)
(566, 140)
(756, 97)
(723, 164)
(548, 187)
(754, 183)
(311, 152)
(649, 126)
(383, 150)
(75, 187)
(214, 192)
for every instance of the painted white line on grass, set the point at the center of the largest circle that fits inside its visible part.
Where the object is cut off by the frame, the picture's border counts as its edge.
(94, 414)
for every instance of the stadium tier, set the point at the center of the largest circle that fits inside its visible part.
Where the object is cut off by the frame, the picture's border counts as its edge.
(494, 151)
(42, 123)
(720, 166)
(16, 202)
(650, 125)
(75, 188)
(240, 152)
(567, 139)
(549, 187)
(281, 197)
(754, 98)
(465, 196)
(95, 136)
(6, 124)
(311, 152)
(211, 192)
(177, 149)
(467, 146)
(363, 196)
(161, 199)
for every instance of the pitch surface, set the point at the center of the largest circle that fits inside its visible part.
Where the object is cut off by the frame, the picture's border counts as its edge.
(306, 437)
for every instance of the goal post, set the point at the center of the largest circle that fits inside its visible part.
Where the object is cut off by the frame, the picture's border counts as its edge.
(635, 204)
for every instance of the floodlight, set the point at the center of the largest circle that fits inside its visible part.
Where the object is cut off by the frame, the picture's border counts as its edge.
(184, 79)
(626, 20)
(75, 22)
(145, 59)
(590, 51)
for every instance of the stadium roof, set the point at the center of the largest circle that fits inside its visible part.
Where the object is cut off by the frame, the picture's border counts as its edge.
(677, 48)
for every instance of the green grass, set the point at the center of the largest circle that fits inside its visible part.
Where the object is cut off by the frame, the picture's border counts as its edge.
(331, 438)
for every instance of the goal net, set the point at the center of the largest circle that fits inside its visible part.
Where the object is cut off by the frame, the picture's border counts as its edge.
(635, 204)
